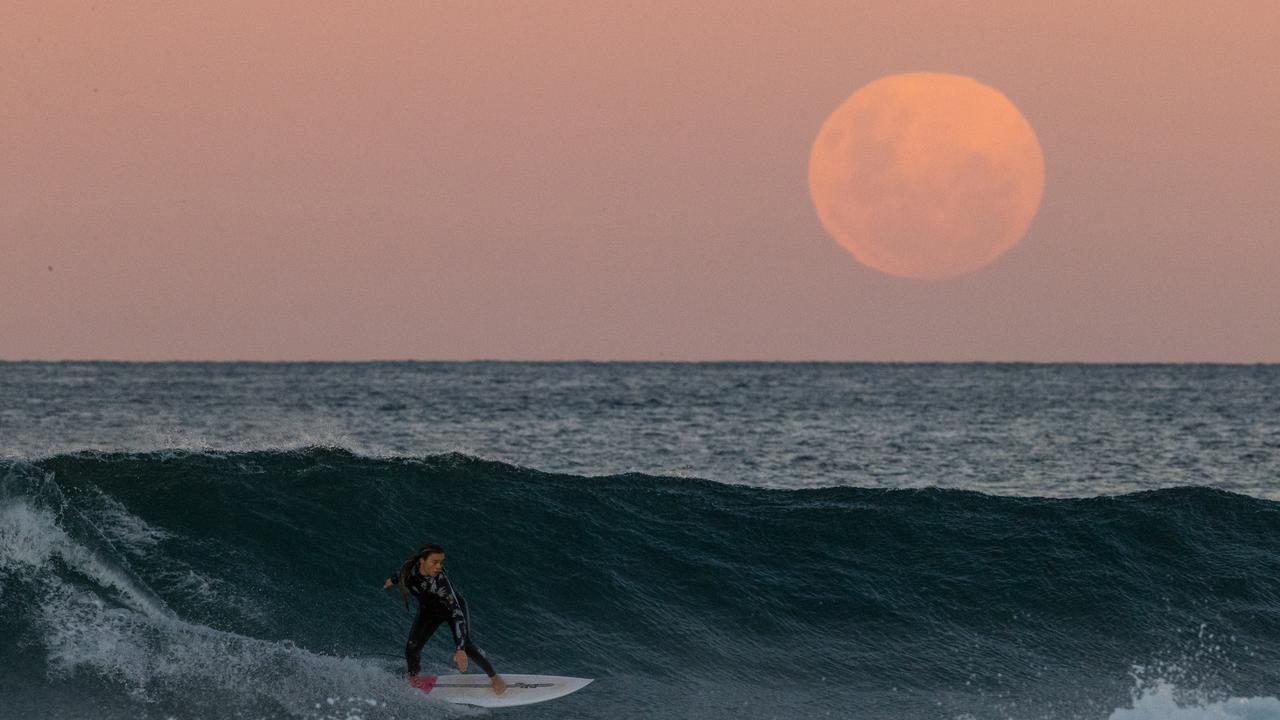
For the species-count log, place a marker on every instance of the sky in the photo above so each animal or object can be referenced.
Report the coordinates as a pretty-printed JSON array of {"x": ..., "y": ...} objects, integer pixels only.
[{"x": 614, "y": 181}]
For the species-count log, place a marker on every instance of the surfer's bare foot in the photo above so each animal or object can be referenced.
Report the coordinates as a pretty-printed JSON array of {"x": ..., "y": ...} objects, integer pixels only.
[{"x": 499, "y": 685}]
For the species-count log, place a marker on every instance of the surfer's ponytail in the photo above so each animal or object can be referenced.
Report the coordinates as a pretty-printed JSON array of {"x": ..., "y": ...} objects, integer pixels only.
[{"x": 423, "y": 552}]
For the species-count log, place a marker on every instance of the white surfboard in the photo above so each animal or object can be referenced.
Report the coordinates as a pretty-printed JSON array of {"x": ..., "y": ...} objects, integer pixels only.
[{"x": 477, "y": 690}]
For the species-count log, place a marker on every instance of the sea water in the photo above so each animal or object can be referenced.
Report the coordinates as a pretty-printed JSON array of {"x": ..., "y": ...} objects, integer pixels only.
[{"x": 706, "y": 540}]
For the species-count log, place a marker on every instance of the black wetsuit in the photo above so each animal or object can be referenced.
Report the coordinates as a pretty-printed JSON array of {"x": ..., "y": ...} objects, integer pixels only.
[{"x": 437, "y": 602}]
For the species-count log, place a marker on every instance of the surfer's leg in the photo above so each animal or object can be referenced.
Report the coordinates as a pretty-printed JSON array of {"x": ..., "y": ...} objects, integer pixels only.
[
  {"x": 473, "y": 651},
  {"x": 477, "y": 655},
  {"x": 424, "y": 624},
  {"x": 479, "y": 658}
]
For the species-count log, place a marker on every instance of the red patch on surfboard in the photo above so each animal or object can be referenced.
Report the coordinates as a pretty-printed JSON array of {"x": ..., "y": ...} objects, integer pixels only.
[{"x": 425, "y": 683}]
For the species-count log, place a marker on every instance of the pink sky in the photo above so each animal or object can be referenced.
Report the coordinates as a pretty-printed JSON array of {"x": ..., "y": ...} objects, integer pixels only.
[{"x": 613, "y": 181}]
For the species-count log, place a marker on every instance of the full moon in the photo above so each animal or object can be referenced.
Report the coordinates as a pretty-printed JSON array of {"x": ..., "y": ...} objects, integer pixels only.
[{"x": 926, "y": 175}]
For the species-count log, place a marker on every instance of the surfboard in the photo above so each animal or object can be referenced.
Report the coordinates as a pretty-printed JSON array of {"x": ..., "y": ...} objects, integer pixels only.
[{"x": 476, "y": 690}]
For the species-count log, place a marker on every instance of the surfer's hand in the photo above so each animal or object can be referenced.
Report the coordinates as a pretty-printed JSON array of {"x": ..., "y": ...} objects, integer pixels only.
[
  {"x": 460, "y": 659},
  {"x": 386, "y": 583}
]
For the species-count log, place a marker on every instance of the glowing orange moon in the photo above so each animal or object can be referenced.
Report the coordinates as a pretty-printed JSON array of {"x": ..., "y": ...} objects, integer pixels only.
[{"x": 926, "y": 175}]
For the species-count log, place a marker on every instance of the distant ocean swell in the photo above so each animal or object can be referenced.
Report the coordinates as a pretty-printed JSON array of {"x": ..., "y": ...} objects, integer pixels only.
[{"x": 202, "y": 584}]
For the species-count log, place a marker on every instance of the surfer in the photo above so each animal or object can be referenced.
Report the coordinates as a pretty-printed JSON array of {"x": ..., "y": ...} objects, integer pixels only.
[{"x": 423, "y": 576}]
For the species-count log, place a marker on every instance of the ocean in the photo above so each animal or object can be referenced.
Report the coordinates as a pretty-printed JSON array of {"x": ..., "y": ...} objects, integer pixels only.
[{"x": 720, "y": 541}]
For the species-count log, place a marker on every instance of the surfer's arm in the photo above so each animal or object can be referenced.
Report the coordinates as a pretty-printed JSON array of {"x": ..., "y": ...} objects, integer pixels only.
[
  {"x": 457, "y": 614},
  {"x": 393, "y": 580},
  {"x": 458, "y": 626}
]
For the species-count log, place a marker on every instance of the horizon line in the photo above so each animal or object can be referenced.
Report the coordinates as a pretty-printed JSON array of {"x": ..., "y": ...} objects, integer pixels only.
[{"x": 582, "y": 361}]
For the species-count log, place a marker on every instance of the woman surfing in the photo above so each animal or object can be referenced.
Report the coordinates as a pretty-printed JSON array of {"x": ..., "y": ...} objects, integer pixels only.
[{"x": 423, "y": 576}]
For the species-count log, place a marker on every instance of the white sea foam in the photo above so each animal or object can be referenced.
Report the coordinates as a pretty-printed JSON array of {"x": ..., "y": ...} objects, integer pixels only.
[
  {"x": 159, "y": 659},
  {"x": 83, "y": 632},
  {"x": 30, "y": 538},
  {"x": 127, "y": 531},
  {"x": 209, "y": 592},
  {"x": 118, "y": 631},
  {"x": 1161, "y": 702}
]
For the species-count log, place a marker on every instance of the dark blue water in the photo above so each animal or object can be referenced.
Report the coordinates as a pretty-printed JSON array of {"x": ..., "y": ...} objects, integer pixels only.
[{"x": 719, "y": 541}]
